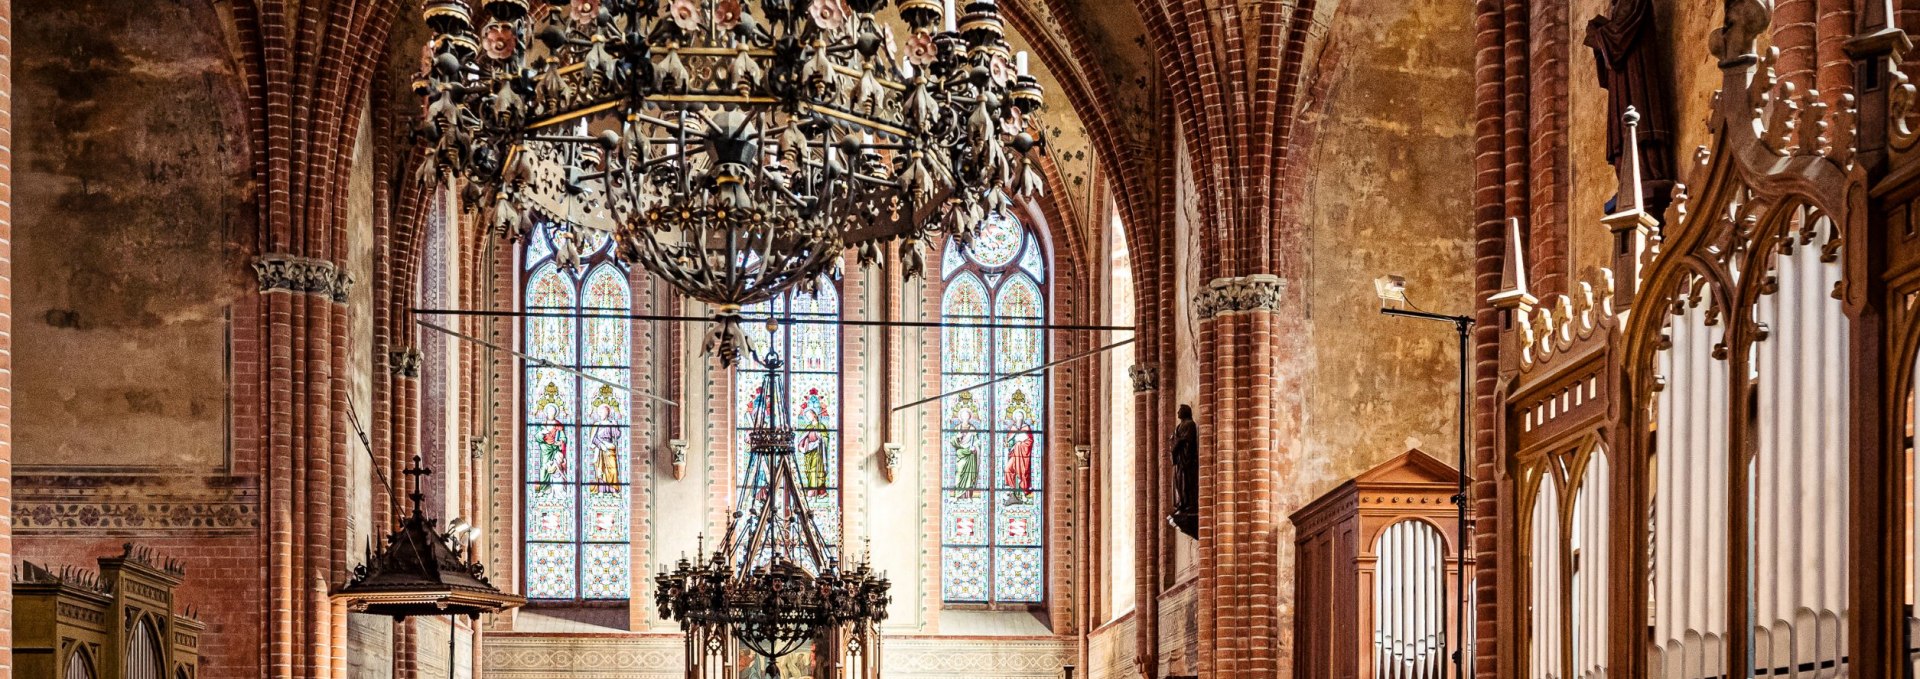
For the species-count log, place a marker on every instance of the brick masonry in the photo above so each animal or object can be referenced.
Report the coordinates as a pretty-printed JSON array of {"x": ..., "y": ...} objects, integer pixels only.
[{"x": 6, "y": 330}]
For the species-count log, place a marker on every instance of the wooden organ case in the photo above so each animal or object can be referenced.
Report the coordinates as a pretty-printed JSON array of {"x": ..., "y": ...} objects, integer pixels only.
[
  {"x": 1377, "y": 582},
  {"x": 121, "y": 622},
  {"x": 1703, "y": 448}
]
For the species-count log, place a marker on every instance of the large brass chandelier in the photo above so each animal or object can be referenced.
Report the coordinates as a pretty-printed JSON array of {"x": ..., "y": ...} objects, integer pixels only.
[
  {"x": 773, "y": 585},
  {"x": 733, "y": 148}
]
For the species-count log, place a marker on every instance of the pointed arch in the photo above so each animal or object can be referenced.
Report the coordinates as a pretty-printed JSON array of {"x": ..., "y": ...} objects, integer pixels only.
[
  {"x": 993, "y": 480},
  {"x": 577, "y": 488}
]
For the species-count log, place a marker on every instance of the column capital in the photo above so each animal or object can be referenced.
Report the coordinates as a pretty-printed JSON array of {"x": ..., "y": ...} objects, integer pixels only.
[
  {"x": 1240, "y": 294},
  {"x": 292, "y": 273},
  {"x": 1145, "y": 377},
  {"x": 404, "y": 361}
]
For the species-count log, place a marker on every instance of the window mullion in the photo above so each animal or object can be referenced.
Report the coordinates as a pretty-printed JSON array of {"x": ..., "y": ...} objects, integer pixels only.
[
  {"x": 579, "y": 435},
  {"x": 993, "y": 446}
]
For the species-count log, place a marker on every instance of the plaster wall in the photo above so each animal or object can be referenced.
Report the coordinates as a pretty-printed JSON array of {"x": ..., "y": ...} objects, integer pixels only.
[
  {"x": 133, "y": 214},
  {"x": 1117, "y": 482},
  {"x": 1112, "y": 651},
  {"x": 360, "y": 343},
  {"x": 1383, "y": 191},
  {"x": 369, "y": 647}
]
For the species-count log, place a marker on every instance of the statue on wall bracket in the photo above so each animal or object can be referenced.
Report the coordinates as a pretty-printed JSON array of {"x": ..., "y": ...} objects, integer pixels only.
[
  {"x": 1623, "y": 53},
  {"x": 1186, "y": 474}
]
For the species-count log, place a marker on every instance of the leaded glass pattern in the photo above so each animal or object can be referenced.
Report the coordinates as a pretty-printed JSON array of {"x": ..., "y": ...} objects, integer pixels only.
[
  {"x": 578, "y": 431},
  {"x": 993, "y": 497},
  {"x": 811, "y": 352}
]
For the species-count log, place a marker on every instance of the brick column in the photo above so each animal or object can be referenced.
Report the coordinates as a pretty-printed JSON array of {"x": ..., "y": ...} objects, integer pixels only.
[
  {"x": 305, "y": 331},
  {"x": 1489, "y": 215},
  {"x": 6, "y": 331},
  {"x": 1248, "y": 416},
  {"x": 305, "y": 91},
  {"x": 1148, "y": 517}
]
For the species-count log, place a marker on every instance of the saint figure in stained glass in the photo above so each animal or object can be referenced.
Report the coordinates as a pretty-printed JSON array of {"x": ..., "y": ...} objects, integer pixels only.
[
  {"x": 1019, "y": 471},
  {"x": 812, "y": 443},
  {"x": 606, "y": 441},
  {"x": 552, "y": 439},
  {"x": 965, "y": 419}
]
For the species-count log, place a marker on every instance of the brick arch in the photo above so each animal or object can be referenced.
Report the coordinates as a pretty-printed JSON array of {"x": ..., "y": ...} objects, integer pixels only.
[
  {"x": 1235, "y": 76},
  {"x": 306, "y": 91}
]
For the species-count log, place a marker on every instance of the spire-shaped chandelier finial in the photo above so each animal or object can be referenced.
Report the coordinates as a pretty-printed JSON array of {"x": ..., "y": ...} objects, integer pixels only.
[{"x": 773, "y": 584}]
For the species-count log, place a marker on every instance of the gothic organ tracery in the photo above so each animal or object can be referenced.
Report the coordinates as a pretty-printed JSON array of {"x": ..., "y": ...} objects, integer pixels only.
[{"x": 1683, "y": 426}]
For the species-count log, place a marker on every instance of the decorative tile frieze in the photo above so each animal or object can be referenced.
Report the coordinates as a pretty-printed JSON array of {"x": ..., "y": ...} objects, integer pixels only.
[
  {"x": 404, "y": 361},
  {"x": 70, "y": 504},
  {"x": 975, "y": 657},
  {"x": 288, "y": 273},
  {"x": 1145, "y": 377},
  {"x": 584, "y": 657},
  {"x": 655, "y": 656},
  {"x": 1258, "y": 292}
]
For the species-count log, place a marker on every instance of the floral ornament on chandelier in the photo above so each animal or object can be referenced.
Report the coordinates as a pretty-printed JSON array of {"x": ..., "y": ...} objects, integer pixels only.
[{"x": 733, "y": 148}]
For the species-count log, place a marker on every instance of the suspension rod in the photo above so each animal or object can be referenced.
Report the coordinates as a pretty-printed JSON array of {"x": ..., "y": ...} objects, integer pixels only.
[
  {"x": 781, "y": 320},
  {"x": 543, "y": 363},
  {"x": 1030, "y": 371}
]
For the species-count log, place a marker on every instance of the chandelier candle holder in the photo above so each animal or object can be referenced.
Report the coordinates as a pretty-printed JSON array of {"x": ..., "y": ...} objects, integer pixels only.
[
  {"x": 773, "y": 585},
  {"x": 733, "y": 148}
]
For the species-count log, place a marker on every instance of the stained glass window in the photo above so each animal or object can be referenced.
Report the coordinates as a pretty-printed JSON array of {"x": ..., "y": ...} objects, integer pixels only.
[
  {"x": 577, "y": 428},
  {"x": 811, "y": 353},
  {"x": 993, "y": 498}
]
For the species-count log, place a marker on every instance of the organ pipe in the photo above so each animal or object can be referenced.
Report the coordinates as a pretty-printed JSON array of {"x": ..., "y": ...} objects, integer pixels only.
[
  {"x": 1546, "y": 655},
  {"x": 1409, "y": 602},
  {"x": 1689, "y": 497},
  {"x": 1799, "y": 489},
  {"x": 1590, "y": 521}
]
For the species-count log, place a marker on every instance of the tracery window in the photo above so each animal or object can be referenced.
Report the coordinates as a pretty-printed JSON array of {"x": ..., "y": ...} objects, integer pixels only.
[
  {"x": 577, "y": 429},
  {"x": 993, "y": 499},
  {"x": 810, "y": 354}
]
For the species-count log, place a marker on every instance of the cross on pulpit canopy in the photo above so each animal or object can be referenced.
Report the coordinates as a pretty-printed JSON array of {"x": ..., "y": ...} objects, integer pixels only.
[{"x": 415, "y": 472}]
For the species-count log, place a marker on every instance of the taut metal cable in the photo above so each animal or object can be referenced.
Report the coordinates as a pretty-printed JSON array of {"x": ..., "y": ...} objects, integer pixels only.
[
  {"x": 1023, "y": 373},
  {"x": 783, "y": 321},
  {"x": 543, "y": 363}
]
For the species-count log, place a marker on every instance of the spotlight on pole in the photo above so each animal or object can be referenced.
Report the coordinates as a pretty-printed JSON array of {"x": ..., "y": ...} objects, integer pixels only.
[{"x": 1392, "y": 290}]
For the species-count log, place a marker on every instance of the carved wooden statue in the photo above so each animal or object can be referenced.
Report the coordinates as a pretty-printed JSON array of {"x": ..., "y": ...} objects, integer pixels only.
[
  {"x": 1623, "y": 52},
  {"x": 1186, "y": 474}
]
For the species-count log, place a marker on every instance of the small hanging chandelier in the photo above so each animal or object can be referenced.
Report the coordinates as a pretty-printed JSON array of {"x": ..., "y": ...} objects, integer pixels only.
[
  {"x": 773, "y": 584},
  {"x": 733, "y": 148},
  {"x": 422, "y": 571}
]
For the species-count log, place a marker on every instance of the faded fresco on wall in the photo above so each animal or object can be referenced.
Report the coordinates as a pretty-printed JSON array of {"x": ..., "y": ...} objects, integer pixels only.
[{"x": 131, "y": 180}]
